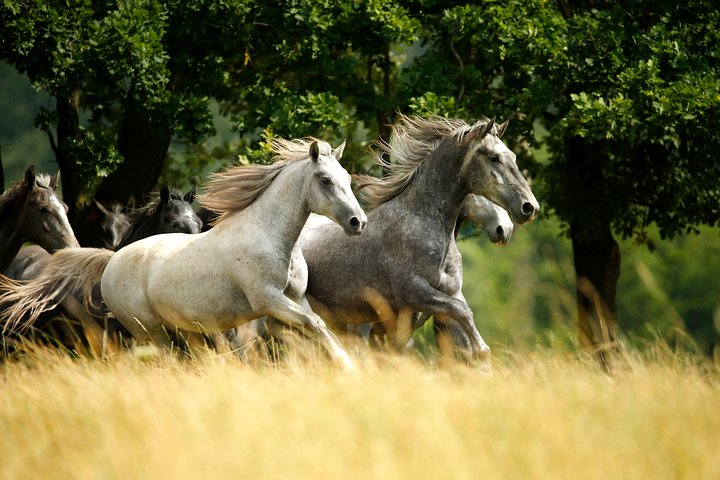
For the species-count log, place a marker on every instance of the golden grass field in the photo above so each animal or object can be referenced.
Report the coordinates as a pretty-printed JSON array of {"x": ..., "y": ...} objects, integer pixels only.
[{"x": 539, "y": 415}]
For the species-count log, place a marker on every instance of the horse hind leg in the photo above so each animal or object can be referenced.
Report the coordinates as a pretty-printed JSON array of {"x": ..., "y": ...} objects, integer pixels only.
[
  {"x": 147, "y": 332},
  {"x": 94, "y": 333}
]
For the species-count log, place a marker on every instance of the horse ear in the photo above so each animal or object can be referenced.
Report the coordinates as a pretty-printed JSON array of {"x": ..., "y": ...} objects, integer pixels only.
[
  {"x": 338, "y": 152},
  {"x": 502, "y": 127},
  {"x": 100, "y": 207},
  {"x": 165, "y": 194},
  {"x": 54, "y": 180},
  {"x": 314, "y": 151},
  {"x": 131, "y": 203},
  {"x": 30, "y": 177},
  {"x": 190, "y": 196},
  {"x": 487, "y": 128},
  {"x": 480, "y": 131}
]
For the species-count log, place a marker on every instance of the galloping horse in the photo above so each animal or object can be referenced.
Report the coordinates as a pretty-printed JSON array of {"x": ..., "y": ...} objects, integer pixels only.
[
  {"x": 247, "y": 266},
  {"x": 31, "y": 212},
  {"x": 397, "y": 267}
]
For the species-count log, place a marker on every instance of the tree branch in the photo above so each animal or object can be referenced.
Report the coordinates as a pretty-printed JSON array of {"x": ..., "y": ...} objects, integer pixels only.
[
  {"x": 53, "y": 145},
  {"x": 461, "y": 93}
]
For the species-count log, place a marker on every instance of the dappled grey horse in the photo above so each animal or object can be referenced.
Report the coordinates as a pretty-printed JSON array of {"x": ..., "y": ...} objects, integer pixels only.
[
  {"x": 397, "y": 267},
  {"x": 451, "y": 338},
  {"x": 30, "y": 211}
]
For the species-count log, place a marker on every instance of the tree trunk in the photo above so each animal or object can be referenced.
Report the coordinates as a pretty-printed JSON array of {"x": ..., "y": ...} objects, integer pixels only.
[
  {"x": 597, "y": 266},
  {"x": 143, "y": 145},
  {"x": 2, "y": 173},
  {"x": 143, "y": 142},
  {"x": 596, "y": 253},
  {"x": 68, "y": 128}
]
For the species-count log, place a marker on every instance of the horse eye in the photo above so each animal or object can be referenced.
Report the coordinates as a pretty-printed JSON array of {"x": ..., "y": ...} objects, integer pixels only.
[
  {"x": 494, "y": 157},
  {"x": 42, "y": 209},
  {"x": 326, "y": 180}
]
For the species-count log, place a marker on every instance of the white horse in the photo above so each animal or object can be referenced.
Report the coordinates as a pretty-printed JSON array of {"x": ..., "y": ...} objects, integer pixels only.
[{"x": 247, "y": 266}]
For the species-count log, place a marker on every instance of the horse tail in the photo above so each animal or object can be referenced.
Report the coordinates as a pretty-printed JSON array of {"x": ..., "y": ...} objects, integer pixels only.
[{"x": 69, "y": 271}]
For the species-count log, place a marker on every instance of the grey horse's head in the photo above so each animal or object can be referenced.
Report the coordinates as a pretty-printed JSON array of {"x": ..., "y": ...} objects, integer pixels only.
[
  {"x": 493, "y": 172},
  {"x": 492, "y": 218}
]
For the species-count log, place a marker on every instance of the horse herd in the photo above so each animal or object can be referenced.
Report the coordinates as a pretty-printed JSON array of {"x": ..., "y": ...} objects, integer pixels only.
[{"x": 285, "y": 242}]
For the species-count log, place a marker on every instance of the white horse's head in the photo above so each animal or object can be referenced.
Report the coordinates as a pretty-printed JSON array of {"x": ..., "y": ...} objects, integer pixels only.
[
  {"x": 493, "y": 172},
  {"x": 328, "y": 189},
  {"x": 490, "y": 217}
]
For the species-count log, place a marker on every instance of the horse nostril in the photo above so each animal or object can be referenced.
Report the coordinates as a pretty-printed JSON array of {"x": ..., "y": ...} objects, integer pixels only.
[
  {"x": 528, "y": 209},
  {"x": 355, "y": 223},
  {"x": 499, "y": 230}
]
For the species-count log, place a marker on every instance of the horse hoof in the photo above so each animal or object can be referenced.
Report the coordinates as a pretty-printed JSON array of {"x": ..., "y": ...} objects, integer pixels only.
[
  {"x": 146, "y": 353},
  {"x": 483, "y": 352},
  {"x": 482, "y": 358}
]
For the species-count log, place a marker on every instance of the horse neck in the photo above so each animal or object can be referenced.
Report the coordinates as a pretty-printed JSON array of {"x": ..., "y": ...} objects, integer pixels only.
[
  {"x": 143, "y": 227},
  {"x": 11, "y": 236},
  {"x": 458, "y": 225},
  {"x": 281, "y": 210},
  {"x": 439, "y": 188},
  {"x": 11, "y": 245}
]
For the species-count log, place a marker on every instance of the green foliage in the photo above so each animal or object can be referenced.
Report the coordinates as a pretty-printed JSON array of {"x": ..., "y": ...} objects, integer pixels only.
[
  {"x": 432, "y": 104},
  {"x": 523, "y": 294},
  {"x": 644, "y": 93},
  {"x": 284, "y": 113},
  {"x": 165, "y": 57},
  {"x": 640, "y": 86},
  {"x": 20, "y": 143},
  {"x": 667, "y": 294}
]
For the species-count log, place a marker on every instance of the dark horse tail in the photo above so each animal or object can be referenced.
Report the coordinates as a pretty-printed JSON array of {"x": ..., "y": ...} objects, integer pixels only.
[{"x": 69, "y": 272}]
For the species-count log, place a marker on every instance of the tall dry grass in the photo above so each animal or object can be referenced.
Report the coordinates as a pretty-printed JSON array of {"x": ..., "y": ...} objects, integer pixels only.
[{"x": 536, "y": 415}]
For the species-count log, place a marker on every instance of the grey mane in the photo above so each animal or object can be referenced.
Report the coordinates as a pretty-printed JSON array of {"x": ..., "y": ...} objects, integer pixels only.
[{"x": 412, "y": 140}]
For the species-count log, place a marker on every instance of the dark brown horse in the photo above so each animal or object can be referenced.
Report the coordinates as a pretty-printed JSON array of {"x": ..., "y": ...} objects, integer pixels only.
[{"x": 30, "y": 211}]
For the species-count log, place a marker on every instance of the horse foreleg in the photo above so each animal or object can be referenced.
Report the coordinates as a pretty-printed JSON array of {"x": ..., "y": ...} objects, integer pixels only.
[
  {"x": 422, "y": 297},
  {"x": 300, "y": 315},
  {"x": 452, "y": 341}
]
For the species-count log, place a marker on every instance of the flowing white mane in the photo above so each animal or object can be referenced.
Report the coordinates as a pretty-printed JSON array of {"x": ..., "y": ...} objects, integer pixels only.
[{"x": 236, "y": 187}]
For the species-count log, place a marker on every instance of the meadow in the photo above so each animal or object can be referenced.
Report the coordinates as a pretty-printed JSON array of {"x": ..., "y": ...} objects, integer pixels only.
[{"x": 529, "y": 415}]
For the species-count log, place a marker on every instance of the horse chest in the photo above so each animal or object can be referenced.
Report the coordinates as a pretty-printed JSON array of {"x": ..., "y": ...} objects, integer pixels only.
[
  {"x": 297, "y": 278},
  {"x": 451, "y": 271}
]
